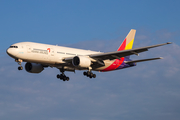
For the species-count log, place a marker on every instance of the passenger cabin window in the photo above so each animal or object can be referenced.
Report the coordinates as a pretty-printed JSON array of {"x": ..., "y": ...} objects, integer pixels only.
[{"x": 13, "y": 47}]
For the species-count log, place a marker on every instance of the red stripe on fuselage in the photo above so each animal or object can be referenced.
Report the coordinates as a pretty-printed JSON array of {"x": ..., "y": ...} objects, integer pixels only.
[{"x": 114, "y": 65}]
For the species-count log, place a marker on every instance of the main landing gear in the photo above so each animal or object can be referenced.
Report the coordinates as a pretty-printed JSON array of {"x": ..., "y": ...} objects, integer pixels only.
[
  {"x": 89, "y": 74},
  {"x": 62, "y": 76},
  {"x": 19, "y": 62}
]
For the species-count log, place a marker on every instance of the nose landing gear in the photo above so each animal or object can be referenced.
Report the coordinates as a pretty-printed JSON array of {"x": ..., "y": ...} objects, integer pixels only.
[{"x": 19, "y": 62}]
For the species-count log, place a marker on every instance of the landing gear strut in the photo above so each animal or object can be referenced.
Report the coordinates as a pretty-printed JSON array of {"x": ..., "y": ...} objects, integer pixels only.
[
  {"x": 89, "y": 74},
  {"x": 62, "y": 76},
  {"x": 19, "y": 62}
]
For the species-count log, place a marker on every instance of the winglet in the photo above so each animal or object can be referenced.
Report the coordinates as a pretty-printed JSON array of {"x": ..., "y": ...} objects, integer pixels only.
[
  {"x": 169, "y": 42},
  {"x": 128, "y": 41}
]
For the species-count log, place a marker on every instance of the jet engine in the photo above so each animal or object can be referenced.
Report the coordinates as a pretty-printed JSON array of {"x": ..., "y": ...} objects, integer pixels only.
[
  {"x": 33, "y": 67},
  {"x": 81, "y": 61}
]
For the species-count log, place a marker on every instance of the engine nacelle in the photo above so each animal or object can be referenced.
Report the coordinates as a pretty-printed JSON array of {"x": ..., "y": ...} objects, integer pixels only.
[
  {"x": 81, "y": 61},
  {"x": 33, "y": 67}
]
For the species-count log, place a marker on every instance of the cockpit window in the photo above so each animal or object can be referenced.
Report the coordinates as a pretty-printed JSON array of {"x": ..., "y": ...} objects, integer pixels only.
[{"x": 13, "y": 47}]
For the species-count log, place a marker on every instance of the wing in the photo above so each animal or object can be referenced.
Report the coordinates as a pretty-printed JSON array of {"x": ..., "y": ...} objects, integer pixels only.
[{"x": 119, "y": 54}]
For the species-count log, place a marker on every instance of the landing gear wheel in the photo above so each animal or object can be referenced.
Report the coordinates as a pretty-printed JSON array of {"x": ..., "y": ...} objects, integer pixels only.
[
  {"x": 94, "y": 76},
  {"x": 20, "y": 68},
  {"x": 62, "y": 77},
  {"x": 89, "y": 74},
  {"x": 65, "y": 78},
  {"x": 58, "y": 76},
  {"x": 85, "y": 73}
]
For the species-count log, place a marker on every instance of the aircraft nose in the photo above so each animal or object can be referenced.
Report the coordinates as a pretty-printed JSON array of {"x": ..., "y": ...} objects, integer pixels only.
[
  {"x": 11, "y": 52},
  {"x": 8, "y": 51}
]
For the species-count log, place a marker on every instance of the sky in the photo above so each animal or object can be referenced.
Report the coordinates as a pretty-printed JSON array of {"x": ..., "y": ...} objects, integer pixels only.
[{"x": 151, "y": 90}]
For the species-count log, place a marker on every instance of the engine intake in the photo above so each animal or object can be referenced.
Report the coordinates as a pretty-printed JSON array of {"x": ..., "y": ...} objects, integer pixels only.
[
  {"x": 81, "y": 61},
  {"x": 33, "y": 67}
]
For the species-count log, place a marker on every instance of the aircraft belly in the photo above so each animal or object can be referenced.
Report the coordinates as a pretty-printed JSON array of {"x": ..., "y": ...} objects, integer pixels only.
[
  {"x": 114, "y": 65},
  {"x": 108, "y": 63}
]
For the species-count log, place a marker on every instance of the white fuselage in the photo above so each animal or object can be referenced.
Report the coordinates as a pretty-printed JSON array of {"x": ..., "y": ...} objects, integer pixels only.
[
  {"x": 44, "y": 53},
  {"x": 51, "y": 55}
]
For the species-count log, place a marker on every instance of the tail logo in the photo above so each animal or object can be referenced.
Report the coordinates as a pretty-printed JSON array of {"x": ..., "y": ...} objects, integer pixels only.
[{"x": 128, "y": 41}]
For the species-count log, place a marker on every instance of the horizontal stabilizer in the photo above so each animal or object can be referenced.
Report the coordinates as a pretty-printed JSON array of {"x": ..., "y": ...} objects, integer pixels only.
[{"x": 135, "y": 61}]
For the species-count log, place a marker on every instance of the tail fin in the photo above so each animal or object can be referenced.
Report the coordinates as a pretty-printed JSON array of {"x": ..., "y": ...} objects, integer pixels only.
[{"x": 128, "y": 41}]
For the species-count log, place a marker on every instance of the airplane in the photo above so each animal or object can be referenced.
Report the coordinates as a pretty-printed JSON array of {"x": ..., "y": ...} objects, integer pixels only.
[{"x": 39, "y": 56}]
